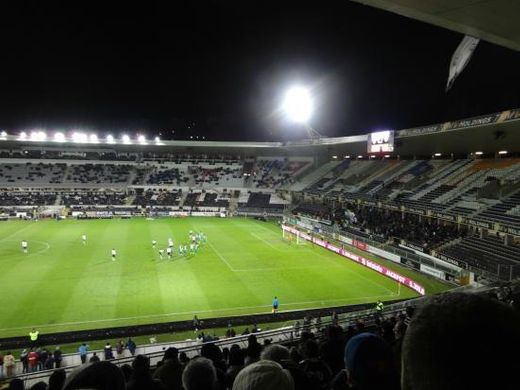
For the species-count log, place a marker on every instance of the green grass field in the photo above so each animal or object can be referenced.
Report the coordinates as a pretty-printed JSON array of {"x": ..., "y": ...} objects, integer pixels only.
[{"x": 63, "y": 285}]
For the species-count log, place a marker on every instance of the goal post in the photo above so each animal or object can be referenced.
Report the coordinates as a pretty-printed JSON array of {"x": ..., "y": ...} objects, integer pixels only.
[{"x": 290, "y": 237}]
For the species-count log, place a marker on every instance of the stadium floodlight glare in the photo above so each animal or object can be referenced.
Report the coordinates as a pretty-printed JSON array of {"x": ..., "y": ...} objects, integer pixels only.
[
  {"x": 438, "y": 154},
  {"x": 386, "y": 156},
  {"x": 38, "y": 135},
  {"x": 3, "y": 134},
  {"x": 157, "y": 139},
  {"x": 334, "y": 157},
  {"x": 141, "y": 139},
  {"x": 22, "y": 136},
  {"x": 479, "y": 153},
  {"x": 110, "y": 139},
  {"x": 126, "y": 139},
  {"x": 79, "y": 137},
  {"x": 59, "y": 137},
  {"x": 93, "y": 138},
  {"x": 360, "y": 156},
  {"x": 502, "y": 152},
  {"x": 347, "y": 156},
  {"x": 298, "y": 104}
]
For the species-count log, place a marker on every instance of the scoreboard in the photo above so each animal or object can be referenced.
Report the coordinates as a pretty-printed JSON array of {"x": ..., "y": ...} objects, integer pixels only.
[{"x": 381, "y": 142}]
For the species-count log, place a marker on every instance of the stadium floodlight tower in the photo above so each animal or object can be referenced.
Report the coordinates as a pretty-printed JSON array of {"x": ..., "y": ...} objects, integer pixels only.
[{"x": 298, "y": 107}]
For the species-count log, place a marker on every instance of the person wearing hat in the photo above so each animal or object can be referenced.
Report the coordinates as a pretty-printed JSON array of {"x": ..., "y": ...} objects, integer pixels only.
[
  {"x": 263, "y": 375},
  {"x": 368, "y": 365}
]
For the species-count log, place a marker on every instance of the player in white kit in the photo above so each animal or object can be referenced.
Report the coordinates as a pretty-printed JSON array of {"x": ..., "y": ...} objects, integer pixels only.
[{"x": 114, "y": 254}]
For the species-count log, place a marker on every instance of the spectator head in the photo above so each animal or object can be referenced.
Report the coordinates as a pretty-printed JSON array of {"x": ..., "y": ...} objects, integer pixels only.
[
  {"x": 39, "y": 386},
  {"x": 141, "y": 365},
  {"x": 263, "y": 375},
  {"x": 171, "y": 353},
  {"x": 310, "y": 349},
  {"x": 212, "y": 352},
  {"x": 199, "y": 374},
  {"x": 368, "y": 360},
  {"x": 236, "y": 356},
  {"x": 57, "y": 379},
  {"x": 461, "y": 340},
  {"x": 99, "y": 376},
  {"x": 127, "y": 371},
  {"x": 16, "y": 384},
  {"x": 276, "y": 353}
]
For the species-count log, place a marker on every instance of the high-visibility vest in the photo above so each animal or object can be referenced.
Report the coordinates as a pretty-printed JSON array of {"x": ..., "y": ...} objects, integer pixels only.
[{"x": 34, "y": 335}]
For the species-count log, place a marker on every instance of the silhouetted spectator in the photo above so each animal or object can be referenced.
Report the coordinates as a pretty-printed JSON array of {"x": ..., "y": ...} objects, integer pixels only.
[
  {"x": 318, "y": 372},
  {"x": 170, "y": 372},
  {"x": 57, "y": 380},
  {"x": 461, "y": 341},
  {"x": 141, "y": 378},
  {"x": 94, "y": 358},
  {"x": 199, "y": 374},
  {"x": 262, "y": 375},
  {"x": 16, "y": 384},
  {"x": 127, "y": 371},
  {"x": 100, "y": 376}
]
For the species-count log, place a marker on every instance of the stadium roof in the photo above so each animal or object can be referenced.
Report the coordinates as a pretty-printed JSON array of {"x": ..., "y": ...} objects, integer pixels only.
[
  {"x": 488, "y": 133},
  {"x": 494, "y": 21}
]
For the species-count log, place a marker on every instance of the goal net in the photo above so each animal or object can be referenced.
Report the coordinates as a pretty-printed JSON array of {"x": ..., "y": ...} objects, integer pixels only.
[{"x": 292, "y": 238}]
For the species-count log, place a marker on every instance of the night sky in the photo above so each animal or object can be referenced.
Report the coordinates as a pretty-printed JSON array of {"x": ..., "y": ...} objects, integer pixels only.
[{"x": 219, "y": 69}]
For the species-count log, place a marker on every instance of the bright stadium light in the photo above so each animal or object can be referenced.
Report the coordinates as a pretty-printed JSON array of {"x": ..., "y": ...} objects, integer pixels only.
[
  {"x": 141, "y": 139},
  {"x": 502, "y": 152},
  {"x": 126, "y": 139},
  {"x": 93, "y": 138},
  {"x": 298, "y": 104},
  {"x": 79, "y": 137},
  {"x": 347, "y": 156},
  {"x": 3, "y": 134},
  {"x": 479, "y": 153},
  {"x": 438, "y": 154},
  {"x": 38, "y": 135},
  {"x": 59, "y": 137},
  {"x": 110, "y": 139},
  {"x": 157, "y": 139},
  {"x": 22, "y": 136}
]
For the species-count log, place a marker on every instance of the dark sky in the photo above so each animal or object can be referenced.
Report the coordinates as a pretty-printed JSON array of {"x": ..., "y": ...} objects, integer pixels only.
[{"x": 221, "y": 67}]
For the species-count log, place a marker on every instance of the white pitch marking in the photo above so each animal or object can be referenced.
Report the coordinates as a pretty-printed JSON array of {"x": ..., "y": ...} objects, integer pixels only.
[
  {"x": 221, "y": 257},
  {"x": 195, "y": 312}
]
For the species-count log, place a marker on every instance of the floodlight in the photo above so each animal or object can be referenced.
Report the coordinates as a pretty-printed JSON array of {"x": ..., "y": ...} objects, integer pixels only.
[
  {"x": 126, "y": 139},
  {"x": 298, "y": 104},
  {"x": 79, "y": 137},
  {"x": 503, "y": 152},
  {"x": 110, "y": 139},
  {"x": 157, "y": 139},
  {"x": 38, "y": 135},
  {"x": 141, "y": 139},
  {"x": 479, "y": 153},
  {"x": 438, "y": 154},
  {"x": 59, "y": 137},
  {"x": 347, "y": 156},
  {"x": 360, "y": 156},
  {"x": 94, "y": 138},
  {"x": 334, "y": 157},
  {"x": 23, "y": 135}
]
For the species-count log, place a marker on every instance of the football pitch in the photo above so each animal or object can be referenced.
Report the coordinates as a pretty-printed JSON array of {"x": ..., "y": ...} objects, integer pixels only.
[{"x": 62, "y": 284}]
